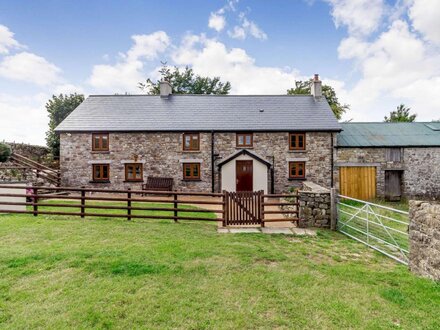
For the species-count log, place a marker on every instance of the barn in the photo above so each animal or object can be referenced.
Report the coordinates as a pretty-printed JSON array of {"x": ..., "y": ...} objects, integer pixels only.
[{"x": 388, "y": 160}]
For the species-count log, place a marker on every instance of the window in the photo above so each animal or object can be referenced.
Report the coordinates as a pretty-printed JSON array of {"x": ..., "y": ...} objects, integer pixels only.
[
  {"x": 101, "y": 172},
  {"x": 191, "y": 171},
  {"x": 134, "y": 172},
  {"x": 100, "y": 142},
  {"x": 393, "y": 154},
  {"x": 297, "y": 141},
  {"x": 191, "y": 142},
  {"x": 244, "y": 140},
  {"x": 297, "y": 170}
]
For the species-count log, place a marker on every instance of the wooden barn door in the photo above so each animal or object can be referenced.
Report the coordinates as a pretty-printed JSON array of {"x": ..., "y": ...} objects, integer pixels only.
[
  {"x": 358, "y": 182},
  {"x": 393, "y": 183}
]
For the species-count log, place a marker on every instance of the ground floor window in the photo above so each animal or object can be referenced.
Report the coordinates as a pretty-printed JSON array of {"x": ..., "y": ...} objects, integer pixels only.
[
  {"x": 133, "y": 172},
  {"x": 297, "y": 170},
  {"x": 191, "y": 171},
  {"x": 101, "y": 172}
]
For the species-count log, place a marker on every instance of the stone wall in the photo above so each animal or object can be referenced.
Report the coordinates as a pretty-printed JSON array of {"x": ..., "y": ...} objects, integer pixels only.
[
  {"x": 34, "y": 152},
  {"x": 424, "y": 239},
  {"x": 315, "y": 206},
  {"x": 162, "y": 155},
  {"x": 421, "y": 178},
  {"x": 421, "y": 170}
]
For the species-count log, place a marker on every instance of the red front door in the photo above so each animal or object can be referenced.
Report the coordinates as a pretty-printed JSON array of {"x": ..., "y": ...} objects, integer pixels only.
[{"x": 244, "y": 172}]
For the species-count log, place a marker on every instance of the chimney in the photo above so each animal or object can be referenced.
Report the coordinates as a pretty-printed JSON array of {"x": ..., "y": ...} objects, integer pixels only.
[
  {"x": 316, "y": 87},
  {"x": 165, "y": 89}
]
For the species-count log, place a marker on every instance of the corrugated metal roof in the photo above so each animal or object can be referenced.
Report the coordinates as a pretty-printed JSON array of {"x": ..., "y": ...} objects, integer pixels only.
[
  {"x": 201, "y": 112},
  {"x": 389, "y": 135}
]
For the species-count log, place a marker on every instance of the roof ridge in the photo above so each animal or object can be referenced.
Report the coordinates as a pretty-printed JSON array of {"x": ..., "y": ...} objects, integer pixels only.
[{"x": 201, "y": 95}]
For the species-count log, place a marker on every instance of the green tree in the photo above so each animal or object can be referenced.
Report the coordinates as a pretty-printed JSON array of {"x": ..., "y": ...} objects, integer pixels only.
[
  {"x": 303, "y": 87},
  {"x": 185, "y": 82},
  {"x": 401, "y": 114},
  {"x": 59, "y": 107},
  {"x": 5, "y": 152}
]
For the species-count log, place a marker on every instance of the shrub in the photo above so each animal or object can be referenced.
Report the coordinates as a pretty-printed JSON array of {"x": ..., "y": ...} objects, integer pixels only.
[{"x": 5, "y": 152}]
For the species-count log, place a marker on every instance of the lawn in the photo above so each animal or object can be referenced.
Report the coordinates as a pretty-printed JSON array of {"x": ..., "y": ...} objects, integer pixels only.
[{"x": 64, "y": 272}]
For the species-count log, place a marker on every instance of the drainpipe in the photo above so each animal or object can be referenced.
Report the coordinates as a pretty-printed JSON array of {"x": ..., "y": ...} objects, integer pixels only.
[
  {"x": 212, "y": 162},
  {"x": 332, "y": 160},
  {"x": 272, "y": 176}
]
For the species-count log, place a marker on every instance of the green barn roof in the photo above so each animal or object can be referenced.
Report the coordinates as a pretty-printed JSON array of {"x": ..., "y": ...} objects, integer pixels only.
[{"x": 389, "y": 135}]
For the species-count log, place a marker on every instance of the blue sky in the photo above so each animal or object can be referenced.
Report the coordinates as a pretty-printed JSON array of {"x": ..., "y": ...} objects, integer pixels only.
[{"x": 375, "y": 53}]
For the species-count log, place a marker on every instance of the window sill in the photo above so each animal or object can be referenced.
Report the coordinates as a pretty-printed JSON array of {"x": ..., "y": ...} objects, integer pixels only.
[
  {"x": 244, "y": 147},
  {"x": 297, "y": 179},
  {"x": 191, "y": 151},
  {"x": 99, "y": 181},
  {"x": 297, "y": 150},
  {"x": 133, "y": 181},
  {"x": 100, "y": 152},
  {"x": 191, "y": 180}
]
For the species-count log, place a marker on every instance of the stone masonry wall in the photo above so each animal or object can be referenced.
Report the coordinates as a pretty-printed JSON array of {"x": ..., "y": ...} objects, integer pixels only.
[
  {"x": 162, "y": 155},
  {"x": 274, "y": 147},
  {"x": 424, "y": 239},
  {"x": 314, "y": 206},
  {"x": 421, "y": 178},
  {"x": 421, "y": 170}
]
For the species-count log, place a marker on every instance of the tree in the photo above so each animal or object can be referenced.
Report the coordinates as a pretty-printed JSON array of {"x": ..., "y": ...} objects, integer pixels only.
[
  {"x": 401, "y": 114},
  {"x": 303, "y": 87},
  {"x": 5, "y": 152},
  {"x": 185, "y": 82},
  {"x": 59, "y": 107}
]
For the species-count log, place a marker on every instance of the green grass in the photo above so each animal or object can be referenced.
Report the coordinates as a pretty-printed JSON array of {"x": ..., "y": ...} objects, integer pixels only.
[{"x": 64, "y": 272}]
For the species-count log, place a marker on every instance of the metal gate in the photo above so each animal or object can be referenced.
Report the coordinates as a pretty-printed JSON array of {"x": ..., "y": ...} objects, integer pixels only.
[
  {"x": 382, "y": 228},
  {"x": 243, "y": 208}
]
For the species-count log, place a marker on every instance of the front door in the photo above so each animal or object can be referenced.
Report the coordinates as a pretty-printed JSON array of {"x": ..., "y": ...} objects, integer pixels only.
[{"x": 244, "y": 172}]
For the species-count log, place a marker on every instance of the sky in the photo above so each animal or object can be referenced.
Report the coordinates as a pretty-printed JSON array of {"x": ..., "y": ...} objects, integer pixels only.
[{"x": 377, "y": 54}]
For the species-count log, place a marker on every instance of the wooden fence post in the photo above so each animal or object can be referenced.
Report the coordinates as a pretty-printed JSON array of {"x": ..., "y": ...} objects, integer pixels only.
[
  {"x": 175, "y": 208},
  {"x": 333, "y": 209},
  {"x": 225, "y": 207},
  {"x": 83, "y": 201},
  {"x": 129, "y": 204},
  {"x": 261, "y": 196},
  {"x": 35, "y": 201}
]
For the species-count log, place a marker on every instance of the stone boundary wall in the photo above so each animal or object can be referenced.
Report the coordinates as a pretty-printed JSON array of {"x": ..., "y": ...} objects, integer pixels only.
[
  {"x": 314, "y": 206},
  {"x": 424, "y": 239}
]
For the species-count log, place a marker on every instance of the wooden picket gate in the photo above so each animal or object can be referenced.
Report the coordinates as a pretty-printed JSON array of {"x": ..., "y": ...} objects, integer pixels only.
[{"x": 243, "y": 208}]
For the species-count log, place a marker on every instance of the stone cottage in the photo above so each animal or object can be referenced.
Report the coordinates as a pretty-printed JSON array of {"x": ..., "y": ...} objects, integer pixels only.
[
  {"x": 388, "y": 160},
  {"x": 203, "y": 142}
]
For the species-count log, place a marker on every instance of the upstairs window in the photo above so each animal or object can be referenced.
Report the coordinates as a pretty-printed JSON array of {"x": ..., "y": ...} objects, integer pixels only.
[
  {"x": 101, "y": 172},
  {"x": 297, "y": 141},
  {"x": 297, "y": 170},
  {"x": 245, "y": 140},
  {"x": 191, "y": 142},
  {"x": 393, "y": 155},
  {"x": 134, "y": 172},
  {"x": 191, "y": 171},
  {"x": 100, "y": 142}
]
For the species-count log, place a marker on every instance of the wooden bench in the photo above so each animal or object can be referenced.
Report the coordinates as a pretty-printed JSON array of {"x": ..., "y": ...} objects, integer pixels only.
[{"x": 158, "y": 184}]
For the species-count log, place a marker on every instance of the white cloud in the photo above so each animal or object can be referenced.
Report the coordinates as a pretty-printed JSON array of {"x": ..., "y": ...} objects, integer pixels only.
[
  {"x": 7, "y": 40},
  {"x": 212, "y": 58},
  {"x": 31, "y": 68},
  {"x": 247, "y": 27},
  {"x": 361, "y": 17},
  {"x": 425, "y": 15},
  {"x": 125, "y": 75},
  {"x": 23, "y": 111},
  {"x": 217, "y": 22}
]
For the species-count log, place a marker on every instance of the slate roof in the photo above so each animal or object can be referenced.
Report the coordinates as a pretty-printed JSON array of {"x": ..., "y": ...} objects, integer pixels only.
[
  {"x": 201, "y": 113},
  {"x": 389, "y": 135}
]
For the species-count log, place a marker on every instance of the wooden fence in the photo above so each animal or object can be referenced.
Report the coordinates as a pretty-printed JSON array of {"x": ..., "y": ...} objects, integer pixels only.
[{"x": 123, "y": 200}]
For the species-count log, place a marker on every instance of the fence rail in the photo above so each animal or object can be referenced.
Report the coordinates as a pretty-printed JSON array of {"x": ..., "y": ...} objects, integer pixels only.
[
  {"x": 382, "y": 228},
  {"x": 80, "y": 199}
]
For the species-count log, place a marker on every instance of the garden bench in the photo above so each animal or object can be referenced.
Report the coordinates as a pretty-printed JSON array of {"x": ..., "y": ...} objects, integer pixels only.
[{"x": 158, "y": 184}]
